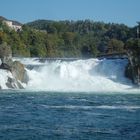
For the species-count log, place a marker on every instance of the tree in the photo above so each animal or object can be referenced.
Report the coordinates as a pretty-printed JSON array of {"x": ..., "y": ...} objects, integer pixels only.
[
  {"x": 38, "y": 51},
  {"x": 115, "y": 45},
  {"x": 5, "y": 50},
  {"x": 5, "y": 55},
  {"x": 69, "y": 37},
  {"x": 132, "y": 44}
]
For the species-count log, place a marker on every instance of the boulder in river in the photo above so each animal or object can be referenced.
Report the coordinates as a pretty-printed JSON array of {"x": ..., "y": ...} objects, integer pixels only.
[{"x": 17, "y": 69}]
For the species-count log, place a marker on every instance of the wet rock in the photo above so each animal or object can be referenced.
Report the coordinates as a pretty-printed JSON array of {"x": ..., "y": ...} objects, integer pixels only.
[
  {"x": 11, "y": 83},
  {"x": 132, "y": 46},
  {"x": 5, "y": 66},
  {"x": 16, "y": 68},
  {"x": 19, "y": 72}
]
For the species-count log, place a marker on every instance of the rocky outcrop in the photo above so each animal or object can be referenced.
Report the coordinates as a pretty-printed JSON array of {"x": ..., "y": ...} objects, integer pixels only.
[
  {"x": 5, "y": 66},
  {"x": 133, "y": 68},
  {"x": 19, "y": 74},
  {"x": 13, "y": 83}
]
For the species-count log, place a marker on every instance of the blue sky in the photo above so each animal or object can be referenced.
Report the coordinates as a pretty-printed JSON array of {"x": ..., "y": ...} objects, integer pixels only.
[{"x": 117, "y": 11}]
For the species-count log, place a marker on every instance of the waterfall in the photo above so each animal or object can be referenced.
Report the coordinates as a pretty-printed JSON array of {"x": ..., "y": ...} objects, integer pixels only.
[{"x": 79, "y": 75}]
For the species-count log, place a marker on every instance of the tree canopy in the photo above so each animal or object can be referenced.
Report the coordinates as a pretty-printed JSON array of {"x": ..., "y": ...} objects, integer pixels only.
[{"x": 83, "y": 38}]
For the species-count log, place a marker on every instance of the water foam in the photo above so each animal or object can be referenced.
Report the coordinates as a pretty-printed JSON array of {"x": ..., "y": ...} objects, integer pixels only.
[
  {"x": 109, "y": 107},
  {"x": 80, "y": 75},
  {"x": 74, "y": 76},
  {"x": 4, "y": 74}
]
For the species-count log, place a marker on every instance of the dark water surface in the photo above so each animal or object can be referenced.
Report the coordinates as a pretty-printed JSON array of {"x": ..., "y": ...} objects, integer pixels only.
[{"x": 69, "y": 116}]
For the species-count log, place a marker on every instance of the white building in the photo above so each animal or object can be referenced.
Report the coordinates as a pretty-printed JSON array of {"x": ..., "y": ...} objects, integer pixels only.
[{"x": 13, "y": 25}]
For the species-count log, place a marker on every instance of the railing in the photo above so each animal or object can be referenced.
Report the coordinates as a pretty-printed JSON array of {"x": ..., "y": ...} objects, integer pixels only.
[{"x": 117, "y": 55}]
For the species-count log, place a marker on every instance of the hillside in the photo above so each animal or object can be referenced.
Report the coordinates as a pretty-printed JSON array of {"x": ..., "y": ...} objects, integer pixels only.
[
  {"x": 92, "y": 37},
  {"x": 46, "y": 38}
]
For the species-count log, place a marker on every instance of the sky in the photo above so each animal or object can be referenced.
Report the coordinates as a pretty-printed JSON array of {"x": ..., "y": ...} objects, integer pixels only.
[{"x": 108, "y": 11}]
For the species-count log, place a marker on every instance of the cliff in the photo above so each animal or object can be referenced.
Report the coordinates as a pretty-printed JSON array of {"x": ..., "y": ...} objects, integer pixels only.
[{"x": 133, "y": 68}]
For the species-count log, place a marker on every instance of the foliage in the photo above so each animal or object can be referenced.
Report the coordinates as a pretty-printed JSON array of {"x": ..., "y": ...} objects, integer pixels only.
[
  {"x": 83, "y": 38},
  {"x": 116, "y": 45},
  {"x": 5, "y": 50},
  {"x": 132, "y": 43}
]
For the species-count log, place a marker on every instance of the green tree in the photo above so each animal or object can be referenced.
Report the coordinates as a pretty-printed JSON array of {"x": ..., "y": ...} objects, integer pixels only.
[
  {"x": 132, "y": 44},
  {"x": 115, "y": 45}
]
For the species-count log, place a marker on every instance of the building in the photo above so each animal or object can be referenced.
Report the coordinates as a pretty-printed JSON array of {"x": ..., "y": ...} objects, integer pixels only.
[{"x": 13, "y": 25}]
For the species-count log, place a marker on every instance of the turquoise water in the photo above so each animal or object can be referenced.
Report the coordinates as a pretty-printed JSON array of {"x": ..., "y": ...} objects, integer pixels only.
[{"x": 69, "y": 116}]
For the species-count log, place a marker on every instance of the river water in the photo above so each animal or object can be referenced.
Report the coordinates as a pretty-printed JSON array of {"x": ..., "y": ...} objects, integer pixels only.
[
  {"x": 71, "y": 100},
  {"x": 69, "y": 116}
]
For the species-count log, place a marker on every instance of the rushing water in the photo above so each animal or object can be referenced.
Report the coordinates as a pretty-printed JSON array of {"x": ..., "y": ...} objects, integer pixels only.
[
  {"x": 69, "y": 116},
  {"x": 74, "y": 76},
  {"x": 71, "y": 100},
  {"x": 79, "y": 75}
]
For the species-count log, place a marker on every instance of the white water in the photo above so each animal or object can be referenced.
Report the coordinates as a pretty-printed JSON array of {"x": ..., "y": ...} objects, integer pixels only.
[
  {"x": 112, "y": 107},
  {"x": 81, "y": 75},
  {"x": 4, "y": 74}
]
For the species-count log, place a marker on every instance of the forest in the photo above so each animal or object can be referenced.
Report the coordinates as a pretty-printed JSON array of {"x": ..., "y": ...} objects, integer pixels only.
[{"x": 82, "y": 38}]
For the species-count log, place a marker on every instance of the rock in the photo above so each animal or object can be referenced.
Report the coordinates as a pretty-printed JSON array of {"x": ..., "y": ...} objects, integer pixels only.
[
  {"x": 5, "y": 66},
  {"x": 133, "y": 68},
  {"x": 19, "y": 72},
  {"x": 16, "y": 68},
  {"x": 19, "y": 75},
  {"x": 128, "y": 72},
  {"x": 19, "y": 85},
  {"x": 13, "y": 83}
]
